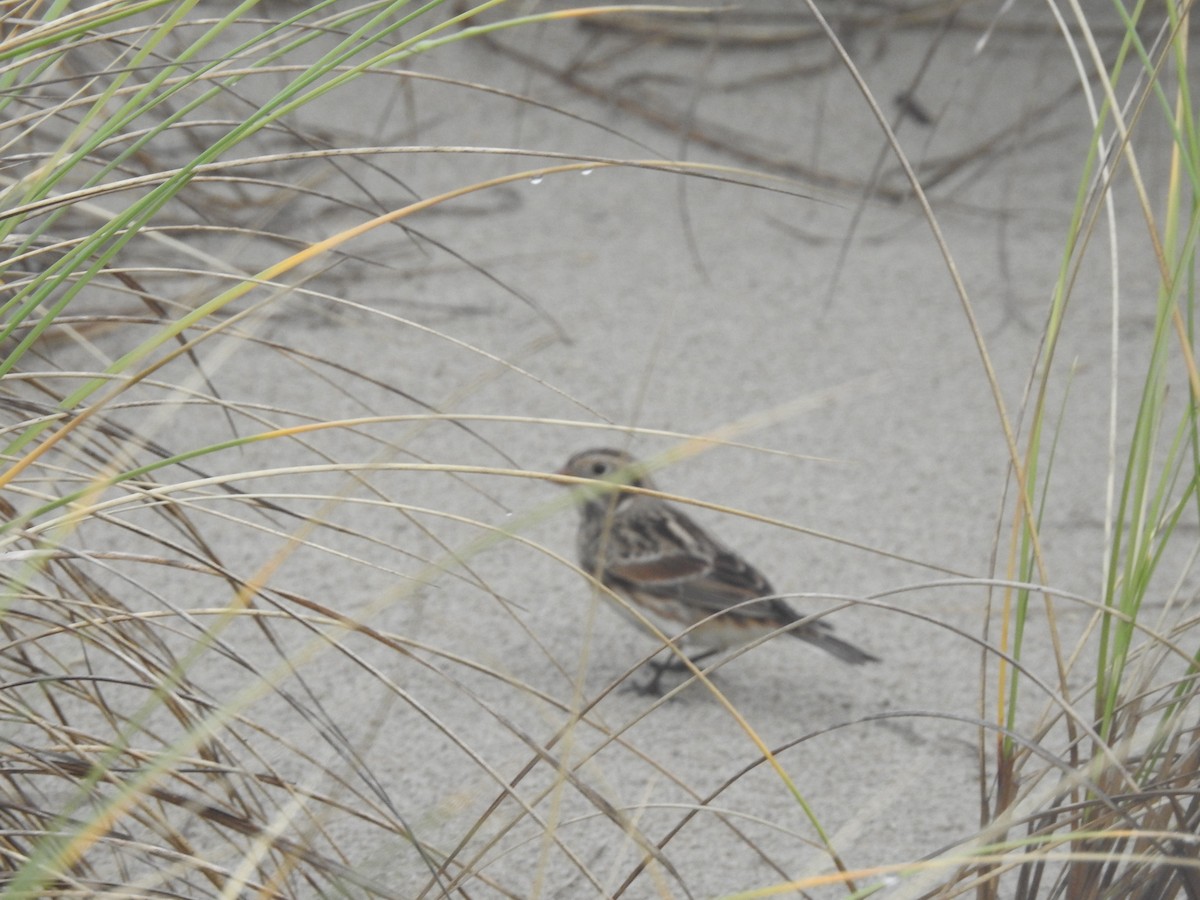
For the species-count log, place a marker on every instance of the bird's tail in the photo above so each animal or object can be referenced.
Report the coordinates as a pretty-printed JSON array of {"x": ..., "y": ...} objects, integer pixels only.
[{"x": 820, "y": 634}]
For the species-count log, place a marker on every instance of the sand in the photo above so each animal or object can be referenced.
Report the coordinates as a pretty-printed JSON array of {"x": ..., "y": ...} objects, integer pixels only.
[{"x": 809, "y": 321}]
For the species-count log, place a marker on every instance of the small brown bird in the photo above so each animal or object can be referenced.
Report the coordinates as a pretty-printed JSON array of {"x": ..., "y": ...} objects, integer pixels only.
[{"x": 676, "y": 574}]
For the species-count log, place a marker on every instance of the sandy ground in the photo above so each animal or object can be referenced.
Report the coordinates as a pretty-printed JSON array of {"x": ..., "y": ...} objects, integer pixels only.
[{"x": 823, "y": 319}]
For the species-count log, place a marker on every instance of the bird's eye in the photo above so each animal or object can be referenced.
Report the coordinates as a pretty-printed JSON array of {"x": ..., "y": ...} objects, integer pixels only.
[{"x": 599, "y": 468}]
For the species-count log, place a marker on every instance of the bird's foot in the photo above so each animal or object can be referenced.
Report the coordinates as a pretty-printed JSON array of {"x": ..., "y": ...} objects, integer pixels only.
[{"x": 653, "y": 687}]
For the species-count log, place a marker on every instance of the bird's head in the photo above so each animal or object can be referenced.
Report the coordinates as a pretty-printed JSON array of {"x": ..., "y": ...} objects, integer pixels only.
[{"x": 606, "y": 464}]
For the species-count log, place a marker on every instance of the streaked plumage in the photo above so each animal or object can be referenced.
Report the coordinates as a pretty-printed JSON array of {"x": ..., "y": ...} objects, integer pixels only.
[{"x": 654, "y": 555}]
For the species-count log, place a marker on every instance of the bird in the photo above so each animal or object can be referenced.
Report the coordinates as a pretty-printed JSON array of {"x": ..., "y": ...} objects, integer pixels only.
[{"x": 659, "y": 560}]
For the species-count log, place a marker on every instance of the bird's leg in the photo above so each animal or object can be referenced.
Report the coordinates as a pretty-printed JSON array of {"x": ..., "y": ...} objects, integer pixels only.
[{"x": 673, "y": 663}]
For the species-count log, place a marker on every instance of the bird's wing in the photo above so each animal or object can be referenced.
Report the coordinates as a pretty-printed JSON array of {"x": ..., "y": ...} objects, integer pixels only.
[{"x": 684, "y": 562}]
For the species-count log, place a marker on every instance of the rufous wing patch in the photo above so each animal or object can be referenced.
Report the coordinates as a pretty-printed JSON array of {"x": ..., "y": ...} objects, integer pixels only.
[{"x": 659, "y": 570}]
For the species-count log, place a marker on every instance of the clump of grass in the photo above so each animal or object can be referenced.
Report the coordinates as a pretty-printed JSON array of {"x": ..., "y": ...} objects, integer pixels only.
[
  {"x": 142, "y": 158},
  {"x": 165, "y": 727},
  {"x": 1112, "y": 812},
  {"x": 168, "y": 726}
]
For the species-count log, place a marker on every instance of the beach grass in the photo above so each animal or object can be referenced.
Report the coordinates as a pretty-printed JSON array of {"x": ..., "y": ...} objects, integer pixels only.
[{"x": 173, "y": 696}]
